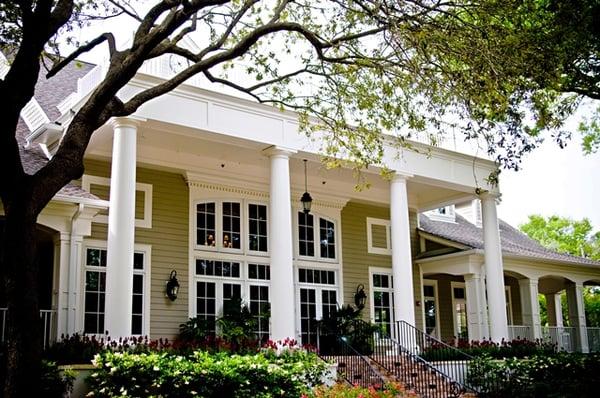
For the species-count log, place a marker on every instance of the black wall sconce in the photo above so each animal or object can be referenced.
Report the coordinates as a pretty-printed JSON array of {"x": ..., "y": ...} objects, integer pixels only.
[
  {"x": 360, "y": 297},
  {"x": 172, "y": 286}
]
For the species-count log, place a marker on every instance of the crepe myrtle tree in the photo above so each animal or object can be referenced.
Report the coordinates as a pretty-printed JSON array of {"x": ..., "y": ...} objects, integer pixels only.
[{"x": 352, "y": 69}]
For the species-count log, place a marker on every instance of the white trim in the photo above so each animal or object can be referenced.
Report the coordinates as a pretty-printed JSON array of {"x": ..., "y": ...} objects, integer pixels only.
[
  {"x": 454, "y": 300},
  {"x": 138, "y": 247},
  {"x": 372, "y": 289},
  {"x": 378, "y": 250},
  {"x": 509, "y": 308},
  {"x": 449, "y": 214},
  {"x": 317, "y": 238},
  {"x": 434, "y": 284},
  {"x": 146, "y": 222}
]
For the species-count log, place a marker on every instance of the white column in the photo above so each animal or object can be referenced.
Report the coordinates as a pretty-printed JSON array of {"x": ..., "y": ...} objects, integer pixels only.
[
  {"x": 577, "y": 314},
  {"x": 554, "y": 308},
  {"x": 121, "y": 229},
  {"x": 474, "y": 308},
  {"x": 493, "y": 269},
  {"x": 485, "y": 327},
  {"x": 62, "y": 246},
  {"x": 404, "y": 307},
  {"x": 530, "y": 306},
  {"x": 280, "y": 246}
]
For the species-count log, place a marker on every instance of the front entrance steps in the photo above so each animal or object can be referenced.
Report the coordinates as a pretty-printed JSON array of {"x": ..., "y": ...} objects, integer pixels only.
[{"x": 415, "y": 377}]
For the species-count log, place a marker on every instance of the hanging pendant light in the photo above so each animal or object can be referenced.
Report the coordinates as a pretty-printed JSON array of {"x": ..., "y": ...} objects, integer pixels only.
[{"x": 306, "y": 199}]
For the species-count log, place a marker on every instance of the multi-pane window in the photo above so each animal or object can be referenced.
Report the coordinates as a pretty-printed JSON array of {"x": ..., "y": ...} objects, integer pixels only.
[
  {"x": 232, "y": 298},
  {"x": 257, "y": 227},
  {"x": 383, "y": 301},
  {"x": 260, "y": 308},
  {"x": 322, "y": 233},
  {"x": 430, "y": 308},
  {"x": 317, "y": 301},
  {"x": 308, "y": 316},
  {"x": 206, "y": 304},
  {"x": 219, "y": 225},
  {"x": 217, "y": 268},
  {"x": 95, "y": 288},
  {"x": 95, "y": 292},
  {"x": 137, "y": 304},
  {"x": 306, "y": 234},
  {"x": 327, "y": 238},
  {"x": 205, "y": 224},
  {"x": 231, "y": 225},
  {"x": 306, "y": 275},
  {"x": 259, "y": 271}
]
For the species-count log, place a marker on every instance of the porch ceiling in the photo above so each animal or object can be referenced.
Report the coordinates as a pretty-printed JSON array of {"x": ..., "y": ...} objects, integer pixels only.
[{"x": 183, "y": 149}]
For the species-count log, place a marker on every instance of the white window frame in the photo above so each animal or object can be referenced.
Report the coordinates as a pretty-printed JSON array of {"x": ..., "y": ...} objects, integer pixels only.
[
  {"x": 509, "y": 308},
  {"x": 449, "y": 216},
  {"x": 434, "y": 283},
  {"x": 138, "y": 247},
  {"x": 319, "y": 287},
  {"x": 317, "y": 238},
  {"x": 378, "y": 250},
  {"x": 373, "y": 289},
  {"x": 454, "y": 323},
  {"x": 88, "y": 180},
  {"x": 244, "y": 228},
  {"x": 247, "y": 223},
  {"x": 243, "y": 280}
]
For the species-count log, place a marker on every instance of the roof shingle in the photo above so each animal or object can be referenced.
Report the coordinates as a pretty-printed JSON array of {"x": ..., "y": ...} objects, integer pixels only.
[{"x": 513, "y": 241}]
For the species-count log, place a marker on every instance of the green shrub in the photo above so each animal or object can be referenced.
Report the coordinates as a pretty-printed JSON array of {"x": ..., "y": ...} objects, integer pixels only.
[
  {"x": 559, "y": 375},
  {"x": 53, "y": 384},
  {"x": 204, "y": 374},
  {"x": 516, "y": 348}
]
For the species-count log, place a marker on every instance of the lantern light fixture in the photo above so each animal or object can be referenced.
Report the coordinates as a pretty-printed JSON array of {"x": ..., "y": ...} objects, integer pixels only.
[
  {"x": 172, "y": 286},
  {"x": 306, "y": 199},
  {"x": 360, "y": 297}
]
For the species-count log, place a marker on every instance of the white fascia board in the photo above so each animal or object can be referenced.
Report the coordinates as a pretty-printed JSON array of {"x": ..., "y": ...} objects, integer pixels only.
[{"x": 96, "y": 203}]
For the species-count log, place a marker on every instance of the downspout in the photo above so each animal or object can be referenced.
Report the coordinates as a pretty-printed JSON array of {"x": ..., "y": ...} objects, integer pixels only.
[{"x": 73, "y": 275}]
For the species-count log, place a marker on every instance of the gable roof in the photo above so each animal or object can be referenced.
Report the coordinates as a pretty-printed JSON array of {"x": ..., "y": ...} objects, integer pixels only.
[
  {"x": 512, "y": 240},
  {"x": 49, "y": 93}
]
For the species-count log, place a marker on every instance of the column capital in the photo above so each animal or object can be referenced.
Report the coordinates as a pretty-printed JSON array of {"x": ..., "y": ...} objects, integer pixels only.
[
  {"x": 127, "y": 121},
  {"x": 528, "y": 281},
  {"x": 472, "y": 277},
  {"x": 401, "y": 176},
  {"x": 278, "y": 151},
  {"x": 486, "y": 196}
]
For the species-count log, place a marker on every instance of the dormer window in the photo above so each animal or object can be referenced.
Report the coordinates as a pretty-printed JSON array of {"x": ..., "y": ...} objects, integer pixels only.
[{"x": 445, "y": 213}]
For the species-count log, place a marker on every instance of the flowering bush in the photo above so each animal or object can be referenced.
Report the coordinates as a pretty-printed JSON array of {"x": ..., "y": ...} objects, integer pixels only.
[
  {"x": 516, "y": 348},
  {"x": 561, "y": 375},
  {"x": 204, "y": 374},
  {"x": 391, "y": 390}
]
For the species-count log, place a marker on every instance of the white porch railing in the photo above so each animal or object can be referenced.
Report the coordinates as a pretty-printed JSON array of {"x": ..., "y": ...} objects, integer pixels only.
[
  {"x": 521, "y": 332},
  {"x": 565, "y": 338},
  {"x": 48, "y": 319},
  {"x": 593, "y": 334}
]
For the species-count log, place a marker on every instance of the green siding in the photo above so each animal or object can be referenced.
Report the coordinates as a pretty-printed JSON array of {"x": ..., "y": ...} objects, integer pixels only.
[
  {"x": 357, "y": 260},
  {"x": 168, "y": 238}
]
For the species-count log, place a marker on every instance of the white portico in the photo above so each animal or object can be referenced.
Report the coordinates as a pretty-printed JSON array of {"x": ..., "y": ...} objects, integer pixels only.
[{"x": 242, "y": 163}]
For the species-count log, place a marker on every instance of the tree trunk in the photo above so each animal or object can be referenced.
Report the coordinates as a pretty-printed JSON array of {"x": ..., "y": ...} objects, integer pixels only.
[{"x": 23, "y": 335}]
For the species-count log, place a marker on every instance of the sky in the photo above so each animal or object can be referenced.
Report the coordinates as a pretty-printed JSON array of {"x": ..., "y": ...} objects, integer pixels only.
[{"x": 552, "y": 181}]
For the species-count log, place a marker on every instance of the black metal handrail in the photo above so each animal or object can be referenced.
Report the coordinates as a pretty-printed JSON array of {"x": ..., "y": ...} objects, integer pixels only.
[
  {"x": 352, "y": 365},
  {"x": 441, "y": 364}
]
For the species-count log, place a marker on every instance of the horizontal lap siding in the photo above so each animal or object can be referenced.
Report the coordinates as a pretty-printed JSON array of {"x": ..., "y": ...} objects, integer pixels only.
[
  {"x": 169, "y": 240},
  {"x": 357, "y": 260}
]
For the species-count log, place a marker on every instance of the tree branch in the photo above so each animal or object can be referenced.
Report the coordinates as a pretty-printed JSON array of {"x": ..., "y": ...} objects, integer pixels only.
[{"x": 108, "y": 36}]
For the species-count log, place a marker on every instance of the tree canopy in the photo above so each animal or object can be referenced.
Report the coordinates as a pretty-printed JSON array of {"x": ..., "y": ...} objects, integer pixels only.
[
  {"x": 564, "y": 235},
  {"x": 507, "y": 72}
]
